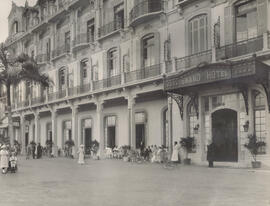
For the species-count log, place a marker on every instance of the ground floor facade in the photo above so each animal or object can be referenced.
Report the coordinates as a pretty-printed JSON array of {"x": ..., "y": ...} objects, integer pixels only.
[
  {"x": 212, "y": 106},
  {"x": 113, "y": 120}
]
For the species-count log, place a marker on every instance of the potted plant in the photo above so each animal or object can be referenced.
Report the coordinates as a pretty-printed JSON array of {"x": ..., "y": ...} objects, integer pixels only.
[
  {"x": 187, "y": 144},
  {"x": 253, "y": 146},
  {"x": 125, "y": 152},
  {"x": 94, "y": 149}
]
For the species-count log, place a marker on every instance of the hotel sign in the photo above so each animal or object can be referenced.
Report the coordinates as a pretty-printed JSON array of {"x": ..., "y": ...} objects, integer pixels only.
[{"x": 212, "y": 73}]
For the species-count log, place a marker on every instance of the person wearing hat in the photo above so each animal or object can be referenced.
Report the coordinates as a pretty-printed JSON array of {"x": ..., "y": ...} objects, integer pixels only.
[
  {"x": 4, "y": 156},
  {"x": 81, "y": 154}
]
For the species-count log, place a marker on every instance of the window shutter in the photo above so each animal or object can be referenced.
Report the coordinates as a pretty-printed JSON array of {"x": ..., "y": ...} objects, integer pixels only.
[
  {"x": 262, "y": 16},
  {"x": 105, "y": 63},
  {"x": 157, "y": 48},
  {"x": 229, "y": 24}
]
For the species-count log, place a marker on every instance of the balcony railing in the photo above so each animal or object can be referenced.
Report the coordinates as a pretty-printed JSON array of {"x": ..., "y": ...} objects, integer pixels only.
[
  {"x": 38, "y": 100},
  {"x": 111, "y": 27},
  {"x": 145, "y": 7},
  {"x": 79, "y": 89},
  {"x": 240, "y": 48},
  {"x": 143, "y": 73},
  {"x": 57, "y": 95},
  {"x": 43, "y": 58},
  {"x": 193, "y": 60},
  {"x": 61, "y": 50},
  {"x": 83, "y": 38},
  {"x": 106, "y": 83}
]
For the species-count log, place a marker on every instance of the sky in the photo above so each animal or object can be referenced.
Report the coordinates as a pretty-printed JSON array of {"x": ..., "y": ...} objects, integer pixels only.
[{"x": 5, "y": 7}]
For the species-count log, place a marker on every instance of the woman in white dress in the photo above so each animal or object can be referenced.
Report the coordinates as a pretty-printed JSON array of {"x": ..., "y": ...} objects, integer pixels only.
[
  {"x": 4, "y": 156},
  {"x": 81, "y": 154},
  {"x": 175, "y": 153}
]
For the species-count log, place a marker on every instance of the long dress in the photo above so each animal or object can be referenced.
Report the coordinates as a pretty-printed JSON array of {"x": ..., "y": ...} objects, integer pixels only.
[
  {"x": 81, "y": 156},
  {"x": 4, "y": 159},
  {"x": 175, "y": 153}
]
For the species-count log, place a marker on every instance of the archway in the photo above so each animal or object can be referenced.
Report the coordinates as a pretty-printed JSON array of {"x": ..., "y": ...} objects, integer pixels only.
[{"x": 224, "y": 134}]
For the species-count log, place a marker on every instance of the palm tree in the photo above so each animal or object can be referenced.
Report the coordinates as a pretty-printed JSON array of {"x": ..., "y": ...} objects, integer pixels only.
[{"x": 15, "y": 70}]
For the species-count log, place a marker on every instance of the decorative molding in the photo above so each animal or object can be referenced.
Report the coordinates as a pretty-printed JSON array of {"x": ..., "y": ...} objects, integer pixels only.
[
  {"x": 195, "y": 102},
  {"x": 179, "y": 99}
]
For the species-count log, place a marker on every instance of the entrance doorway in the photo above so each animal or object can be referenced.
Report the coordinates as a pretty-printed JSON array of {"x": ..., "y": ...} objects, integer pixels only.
[
  {"x": 26, "y": 139},
  {"x": 88, "y": 140},
  {"x": 140, "y": 136},
  {"x": 111, "y": 137},
  {"x": 224, "y": 133}
]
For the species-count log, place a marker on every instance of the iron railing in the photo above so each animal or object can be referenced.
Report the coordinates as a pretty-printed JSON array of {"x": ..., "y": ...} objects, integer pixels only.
[
  {"x": 81, "y": 89},
  {"x": 240, "y": 48},
  {"x": 145, "y": 7},
  {"x": 38, "y": 100},
  {"x": 143, "y": 73},
  {"x": 111, "y": 27},
  {"x": 42, "y": 58},
  {"x": 61, "y": 50},
  {"x": 193, "y": 60},
  {"x": 106, "y": 83},
  {"x": 57, "y": 95},
  {"x": 83, "y": 38}
]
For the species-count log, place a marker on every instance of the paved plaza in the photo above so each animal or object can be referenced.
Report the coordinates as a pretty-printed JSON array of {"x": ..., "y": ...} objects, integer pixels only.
[{"x": 115, "y": 183}]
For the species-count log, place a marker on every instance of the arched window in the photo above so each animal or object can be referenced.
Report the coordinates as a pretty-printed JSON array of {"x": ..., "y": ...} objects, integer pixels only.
[
  {"x": 112, "y": 62},
  {"x": 197, "y": 34},
  {"x": 148, "y": 50},
  {"x": 260, "y": 118},
  {"x": 15, "y": 27},
  {"x": 62, "y": 77}
]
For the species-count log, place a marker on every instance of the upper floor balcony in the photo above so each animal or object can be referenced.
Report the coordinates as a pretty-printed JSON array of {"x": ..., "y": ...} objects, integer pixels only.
[
  {"x": 111, "y": 28},
  {"x": 60, "y": 51},
  {"x": 82, "y": 40},
  {"x": 43, "y": 58},
  {"x": 145, "y": 10}
]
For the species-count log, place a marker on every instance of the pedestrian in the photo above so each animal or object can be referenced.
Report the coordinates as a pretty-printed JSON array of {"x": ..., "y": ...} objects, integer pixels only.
[
  {"x": 4, "y": 156},
  {"x": 39, "y": 151},
  {"x": 175, "y": 153},
  {"x": 81, "y": 154},
  {"x": 28, "y": 151},
  {"x": 210, "y": 154},
  {"x": 33, "y": 149}
]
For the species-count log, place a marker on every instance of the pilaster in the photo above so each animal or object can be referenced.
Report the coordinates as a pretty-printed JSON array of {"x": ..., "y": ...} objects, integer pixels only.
[
  {"x": 100, "y": 126},
  {"x": 37, "y": 127},
  {"x": 22, "y": 131},
  {"x": 75, "y": 127}
]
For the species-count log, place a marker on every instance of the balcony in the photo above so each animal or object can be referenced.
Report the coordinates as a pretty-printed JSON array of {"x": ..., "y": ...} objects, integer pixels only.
[
  {"x": 111, "y": 28},
  {"x": 79, "y": 89},
  {"x": 82, "y": 40},
  {"x": 106, "y": 83},
  {"x": 241, "y": 48},
  {"x": 145, "y": 11},
  {"x": 147, "y": 72},
  {"x": 60, "y": 51},
  {"x": 43, "y": 58},
  {"x": 193, "y": 60},
  {"x": 57, "y": 95},
  {"x": 38, "y": 100}
]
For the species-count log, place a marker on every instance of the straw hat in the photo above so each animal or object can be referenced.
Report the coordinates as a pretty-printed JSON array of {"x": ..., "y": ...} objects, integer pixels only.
[{"x": 81, "y": 145}]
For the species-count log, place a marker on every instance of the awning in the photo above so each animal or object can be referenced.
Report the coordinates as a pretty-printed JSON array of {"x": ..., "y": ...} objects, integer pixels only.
[{"x": 239, "y": 72}]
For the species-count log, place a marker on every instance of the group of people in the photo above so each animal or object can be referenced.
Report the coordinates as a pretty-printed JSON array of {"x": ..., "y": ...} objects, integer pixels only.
[
  {"x": 34, "y": 150},
  {"x": 8, "y": 159}
]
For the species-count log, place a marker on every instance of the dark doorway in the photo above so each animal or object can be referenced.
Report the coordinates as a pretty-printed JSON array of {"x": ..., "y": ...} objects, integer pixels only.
[
  {"x": 88, "y": 140},
  {"x": 26, "y": 139},
  {"x": 224, "y": 133},
  {"x": 69, "y": 134},
  {"x": 111, "y": 137},
  {"x": 50, "y": 136},
  {"x": 140, "y": 136}
]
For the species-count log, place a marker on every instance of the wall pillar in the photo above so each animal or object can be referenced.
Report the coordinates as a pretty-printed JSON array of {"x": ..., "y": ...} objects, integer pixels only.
[
  {"x": 22, "y": 131},
  {"x": 170, "y": 122},
  {"x": 74, "y": 130},
  {"x": 100, "y": 127},
  {"x": 37, "y": 128},
  {"x": 54, "y": 131},
  {"x": 131, "y": 119}
]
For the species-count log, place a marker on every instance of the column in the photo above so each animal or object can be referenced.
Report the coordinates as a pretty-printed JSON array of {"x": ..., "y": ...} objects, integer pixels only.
[
  {"x": 100, "y": 127},
  {"x": 37, "y": 128},
  {"x": 265, "y": 41},
  {"x": 170, "y": 104},
  {"x": 75, "y": 128},
  {"x": 131, "y": 119},
  {"x": 22, "y": 133},
  {"x": 54, "y": 131}
]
